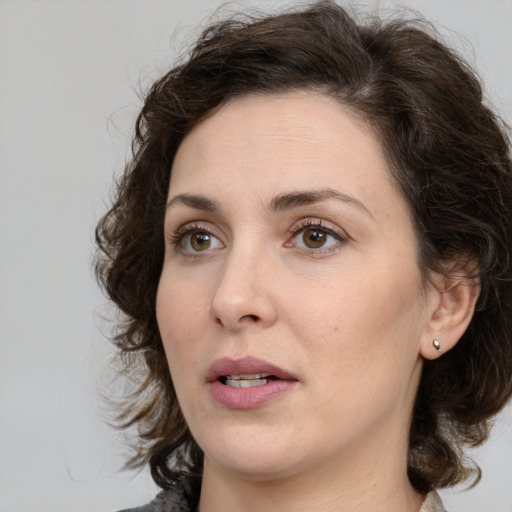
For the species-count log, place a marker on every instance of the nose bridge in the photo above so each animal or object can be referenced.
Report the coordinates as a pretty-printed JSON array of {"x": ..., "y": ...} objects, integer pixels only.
[{"x": 243, "y": 291}]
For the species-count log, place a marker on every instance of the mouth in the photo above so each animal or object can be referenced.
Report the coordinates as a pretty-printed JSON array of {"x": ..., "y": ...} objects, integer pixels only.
[
  {"x": 248, "y": 382},
  {"x": 246, "y": 372}
]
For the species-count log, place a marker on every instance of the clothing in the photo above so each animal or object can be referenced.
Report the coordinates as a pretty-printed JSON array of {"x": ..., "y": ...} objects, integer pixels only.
[
  {"x": 433, "y": 503},
  {"x": 185, "y": 496}
]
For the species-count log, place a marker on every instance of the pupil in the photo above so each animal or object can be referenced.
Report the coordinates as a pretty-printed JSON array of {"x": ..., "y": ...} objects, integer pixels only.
[
  {"x": 200, "y": 241},
  {"x": 314, "y": 238}
]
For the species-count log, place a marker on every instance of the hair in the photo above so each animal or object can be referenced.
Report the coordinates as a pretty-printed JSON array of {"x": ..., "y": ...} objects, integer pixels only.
[{"x": 448, "y": 153}]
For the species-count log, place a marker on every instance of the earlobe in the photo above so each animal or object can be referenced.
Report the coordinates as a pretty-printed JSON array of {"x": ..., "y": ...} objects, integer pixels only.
[{"x": 452, "y": 307}]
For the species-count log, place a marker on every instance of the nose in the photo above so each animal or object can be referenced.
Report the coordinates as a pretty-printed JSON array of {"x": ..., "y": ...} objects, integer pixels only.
[{"x": 243, "y": 295}]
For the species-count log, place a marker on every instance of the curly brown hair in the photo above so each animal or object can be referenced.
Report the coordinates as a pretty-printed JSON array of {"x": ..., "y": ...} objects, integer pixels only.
[{"x": 448, "y": 152}]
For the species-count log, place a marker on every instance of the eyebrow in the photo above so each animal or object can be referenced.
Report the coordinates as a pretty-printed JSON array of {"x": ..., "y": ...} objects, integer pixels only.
[
  {"x": 297, "y": 199},
  {"x": 280, "y": 203},
  {"x": 195, "y": 201}
]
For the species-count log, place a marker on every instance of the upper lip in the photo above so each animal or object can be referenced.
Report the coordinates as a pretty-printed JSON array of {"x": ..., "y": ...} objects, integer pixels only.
[{"x": 245, "y": 366}]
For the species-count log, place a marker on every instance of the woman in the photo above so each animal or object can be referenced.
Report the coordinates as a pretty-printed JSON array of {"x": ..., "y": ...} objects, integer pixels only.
[{"x": 312, "y": 250}]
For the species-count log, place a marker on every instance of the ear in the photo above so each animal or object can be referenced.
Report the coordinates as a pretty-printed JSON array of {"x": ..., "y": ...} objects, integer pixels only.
[{"x": 451, "y": 307}]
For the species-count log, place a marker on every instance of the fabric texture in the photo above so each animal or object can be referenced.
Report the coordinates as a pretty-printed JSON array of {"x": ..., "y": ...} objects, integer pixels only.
[
  {"x": 433, "y": 503},
  {"x": 185, "y": 497}
]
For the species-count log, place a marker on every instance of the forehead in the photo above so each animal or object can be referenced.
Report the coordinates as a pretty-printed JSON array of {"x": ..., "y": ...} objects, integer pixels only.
[
  {"x": 294, "y": 134},
  {"x": 245, "y": 119},
  {"x": 269, "y": 144}
]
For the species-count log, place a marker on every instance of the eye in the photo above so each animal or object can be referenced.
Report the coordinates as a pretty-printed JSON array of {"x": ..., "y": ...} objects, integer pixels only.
[
  {"x": 194, "y": 239},
  {"x": 315, "y": 236}
]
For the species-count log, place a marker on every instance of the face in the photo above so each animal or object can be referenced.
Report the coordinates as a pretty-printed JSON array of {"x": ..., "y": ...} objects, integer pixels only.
[{"x": 290, "y": 304}]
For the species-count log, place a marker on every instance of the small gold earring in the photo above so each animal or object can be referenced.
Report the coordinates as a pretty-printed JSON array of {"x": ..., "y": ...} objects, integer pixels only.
[{"x": 437, "y": 345}]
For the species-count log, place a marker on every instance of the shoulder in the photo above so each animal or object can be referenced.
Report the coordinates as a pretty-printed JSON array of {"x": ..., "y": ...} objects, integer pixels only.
[{"x": 182, "y": 497}]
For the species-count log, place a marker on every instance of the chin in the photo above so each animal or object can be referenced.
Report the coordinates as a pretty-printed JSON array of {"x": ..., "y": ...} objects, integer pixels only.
[{"x": 253, "y": 456}]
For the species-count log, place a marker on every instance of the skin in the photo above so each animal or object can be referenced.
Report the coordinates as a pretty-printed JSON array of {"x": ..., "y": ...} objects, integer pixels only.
[{"x": 351, "y": 319}]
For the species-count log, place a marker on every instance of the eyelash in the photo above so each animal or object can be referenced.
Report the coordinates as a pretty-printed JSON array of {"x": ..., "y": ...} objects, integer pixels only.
[{"x": 177, "y": 238}]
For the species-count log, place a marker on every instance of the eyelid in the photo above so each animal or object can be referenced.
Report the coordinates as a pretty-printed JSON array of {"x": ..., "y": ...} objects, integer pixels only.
[{"x": 315, "y": 222}]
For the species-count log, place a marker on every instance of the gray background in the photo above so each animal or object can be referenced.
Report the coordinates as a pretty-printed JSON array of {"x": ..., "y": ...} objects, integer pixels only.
[{"x": 70, "y": 71}]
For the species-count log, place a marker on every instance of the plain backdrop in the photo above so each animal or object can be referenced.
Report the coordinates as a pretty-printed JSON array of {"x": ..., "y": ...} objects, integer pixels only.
[{"x": 70, "y": 74}]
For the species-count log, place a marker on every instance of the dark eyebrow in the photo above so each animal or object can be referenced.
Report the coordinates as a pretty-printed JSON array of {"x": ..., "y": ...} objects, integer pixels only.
[
  {"x": 280, "y": 203},
  {"x": 195, "y": 201},
  {"x": 292, "y": 200}
]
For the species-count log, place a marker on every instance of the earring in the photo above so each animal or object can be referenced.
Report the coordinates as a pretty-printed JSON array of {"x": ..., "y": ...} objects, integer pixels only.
[{"x": 437, "y": 345}]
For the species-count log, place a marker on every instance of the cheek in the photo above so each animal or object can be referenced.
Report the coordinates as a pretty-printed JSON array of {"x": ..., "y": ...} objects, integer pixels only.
[
  {"x": 179, "y": 302},
  {"x": 365, "y": 329},
  {"x": 177, "y": 318}
]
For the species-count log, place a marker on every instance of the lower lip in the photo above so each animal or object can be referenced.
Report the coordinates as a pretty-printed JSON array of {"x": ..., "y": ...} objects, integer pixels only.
[{"x": 249, "y": 398}]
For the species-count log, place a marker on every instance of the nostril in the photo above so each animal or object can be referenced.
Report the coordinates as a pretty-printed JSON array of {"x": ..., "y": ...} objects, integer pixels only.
[
  {"x": 253, "y": 318},
  {"x": 242, "y": 319}
]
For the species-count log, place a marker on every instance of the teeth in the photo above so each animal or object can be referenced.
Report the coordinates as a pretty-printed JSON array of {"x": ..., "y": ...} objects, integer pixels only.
[
  {"x": 248, "y": 380},
  {"x": 247, "y": 376},
  {"x": 249, "y": 383}
]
